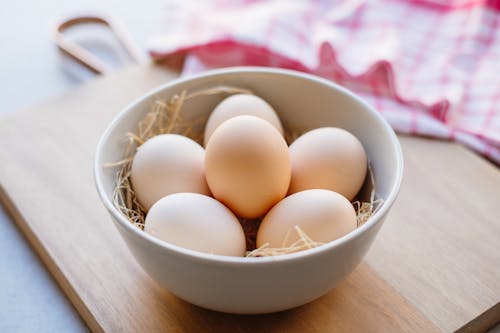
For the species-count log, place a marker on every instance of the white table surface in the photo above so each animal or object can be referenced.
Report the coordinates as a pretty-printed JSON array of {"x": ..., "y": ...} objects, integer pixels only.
[{"x": 32, "y": 70}]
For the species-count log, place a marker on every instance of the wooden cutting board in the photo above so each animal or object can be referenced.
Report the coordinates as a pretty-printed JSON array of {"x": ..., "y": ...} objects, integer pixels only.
[{"x": 435, "y": 265}]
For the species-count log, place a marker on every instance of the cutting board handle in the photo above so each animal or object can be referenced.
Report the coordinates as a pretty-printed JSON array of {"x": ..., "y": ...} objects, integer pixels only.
[{"x": 85, "y": 57}]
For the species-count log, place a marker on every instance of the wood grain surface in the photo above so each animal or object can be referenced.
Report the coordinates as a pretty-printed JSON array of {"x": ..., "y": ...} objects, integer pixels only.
[
  {"x": 443, "y": 236},
  {"x": 434, "y": 266}
]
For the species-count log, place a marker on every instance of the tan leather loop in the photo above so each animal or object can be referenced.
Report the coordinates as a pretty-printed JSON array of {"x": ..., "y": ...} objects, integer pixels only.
[{"x": 85, "y": 57}]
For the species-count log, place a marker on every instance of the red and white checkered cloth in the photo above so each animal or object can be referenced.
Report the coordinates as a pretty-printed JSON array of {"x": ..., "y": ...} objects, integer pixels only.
[{"x": 431, "y": 68}]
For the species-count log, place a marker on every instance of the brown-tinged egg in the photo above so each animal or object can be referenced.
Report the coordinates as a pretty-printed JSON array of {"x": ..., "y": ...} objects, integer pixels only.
[
  {"x": 322, "y": 215},
  {"x": 197, "y": 222},
  {"x": 328, "y": 158},
  {"x": 167, "y": 164},
  {"x": 238, "y": 105},
  {"x": 247, "y": 165}
]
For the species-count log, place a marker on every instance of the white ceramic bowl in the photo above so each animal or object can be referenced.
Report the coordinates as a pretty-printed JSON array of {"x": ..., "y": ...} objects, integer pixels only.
[{"x": 259, "y": 285}]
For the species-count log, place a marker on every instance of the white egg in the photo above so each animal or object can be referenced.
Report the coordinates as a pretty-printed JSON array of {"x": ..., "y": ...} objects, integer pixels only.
[
  {"x": 167, "y": 164},
  {"x": 196, "y": 222},
  {"x": 240, "y": 105},
  {"x": 328, "y": 158},
  {"x": 322, "y": 214}
]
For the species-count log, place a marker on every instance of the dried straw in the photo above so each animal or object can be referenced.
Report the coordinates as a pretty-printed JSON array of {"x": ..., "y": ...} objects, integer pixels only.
[
  {"x": 165, "y": 117},
  {"x": 303, "y": 243}
]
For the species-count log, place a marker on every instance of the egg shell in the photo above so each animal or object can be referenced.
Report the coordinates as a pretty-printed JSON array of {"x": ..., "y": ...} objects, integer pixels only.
[
  {"x": 167, "y": 164},
  {"x": 247, "y": 165},
  {"x": 322, "y": 214},
  {"x": 328, "y": 158},
  {"x": 196, "y": 222},
  {"x": 238, "y": 105}
]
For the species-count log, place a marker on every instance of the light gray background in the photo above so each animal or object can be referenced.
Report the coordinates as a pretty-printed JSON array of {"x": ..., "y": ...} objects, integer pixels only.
[{"x": 32, "y": 70}]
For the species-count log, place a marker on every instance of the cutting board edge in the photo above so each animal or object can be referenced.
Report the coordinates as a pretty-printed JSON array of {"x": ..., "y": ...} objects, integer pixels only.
[
  {"x": 49, "y": 263},
  {"x": 483, "y": 321}
]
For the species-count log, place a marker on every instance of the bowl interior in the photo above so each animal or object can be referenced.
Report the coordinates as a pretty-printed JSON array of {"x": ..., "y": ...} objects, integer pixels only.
[{"x": 302, "y": 101}]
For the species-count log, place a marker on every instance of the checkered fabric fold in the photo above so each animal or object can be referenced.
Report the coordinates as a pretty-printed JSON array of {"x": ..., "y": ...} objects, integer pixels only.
[{"x": 431, "y": 68}]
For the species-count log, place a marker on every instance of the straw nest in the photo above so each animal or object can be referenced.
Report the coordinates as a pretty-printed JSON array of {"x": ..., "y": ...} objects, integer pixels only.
[{"x": 165, "y": 117}]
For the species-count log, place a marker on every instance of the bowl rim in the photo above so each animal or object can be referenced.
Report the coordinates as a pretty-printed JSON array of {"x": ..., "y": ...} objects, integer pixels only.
[{"x": 247, "y": 261}]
